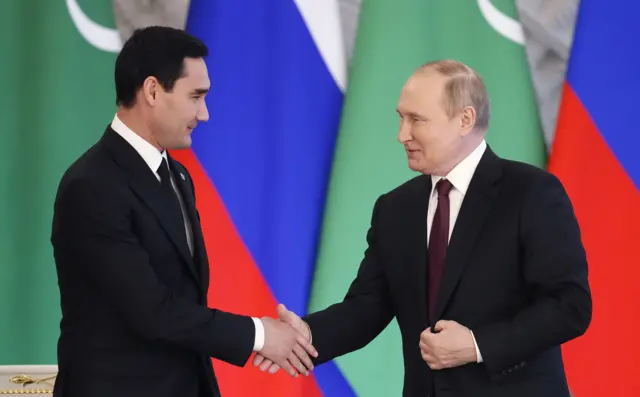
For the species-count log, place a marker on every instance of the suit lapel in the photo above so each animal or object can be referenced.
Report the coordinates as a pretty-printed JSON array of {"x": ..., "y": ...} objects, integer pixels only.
[
  {"x": 477, "y": 202},
  {"x": 145, "y": 184},
  {"x": 416, "y": 216},
  {"x": 186, "y": 191},
  {"x": 149, "y": 191}
]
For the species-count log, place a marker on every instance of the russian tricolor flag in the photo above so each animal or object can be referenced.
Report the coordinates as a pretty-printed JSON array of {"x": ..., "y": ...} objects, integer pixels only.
[
  {"x": 261, "y": 164},
  {"x": 596, "y": 154}
]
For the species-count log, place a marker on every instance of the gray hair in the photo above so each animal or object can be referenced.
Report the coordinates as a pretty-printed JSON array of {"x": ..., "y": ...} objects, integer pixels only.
[{"x": 463, "y": 88}]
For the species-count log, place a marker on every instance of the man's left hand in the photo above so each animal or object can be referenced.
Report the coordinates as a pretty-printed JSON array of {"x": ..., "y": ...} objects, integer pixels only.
[{"x": 451, "y": 346}]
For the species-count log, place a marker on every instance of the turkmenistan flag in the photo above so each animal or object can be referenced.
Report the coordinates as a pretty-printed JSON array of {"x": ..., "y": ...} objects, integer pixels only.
[
  {"x": 394, "y": 38},
  {"x": 58, "y": 96}
]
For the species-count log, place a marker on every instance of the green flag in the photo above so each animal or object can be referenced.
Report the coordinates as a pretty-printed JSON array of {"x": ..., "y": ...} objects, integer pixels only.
[
  {"x": 58, "y": 98},
  {"x": 394, "y": 38}
]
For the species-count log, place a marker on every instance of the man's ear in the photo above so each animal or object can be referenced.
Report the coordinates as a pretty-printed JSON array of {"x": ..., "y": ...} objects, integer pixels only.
[
  {"x": 467, "y": 120},
  {"x": 150, "y": 88}
]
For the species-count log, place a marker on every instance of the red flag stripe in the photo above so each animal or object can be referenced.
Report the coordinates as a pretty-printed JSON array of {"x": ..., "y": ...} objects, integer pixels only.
[
  {"x": 607, "y": 204},
  {"x": 237, "y": 286}
]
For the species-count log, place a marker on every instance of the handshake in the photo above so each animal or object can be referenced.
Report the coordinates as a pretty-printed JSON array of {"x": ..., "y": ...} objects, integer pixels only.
[{"x": 287, "y": 345}]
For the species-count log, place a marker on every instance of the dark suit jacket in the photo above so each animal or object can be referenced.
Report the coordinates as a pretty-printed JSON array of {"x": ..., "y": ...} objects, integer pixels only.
[
  {"x": 515, "y": 274},
  {"x": 134, "y": 301}
]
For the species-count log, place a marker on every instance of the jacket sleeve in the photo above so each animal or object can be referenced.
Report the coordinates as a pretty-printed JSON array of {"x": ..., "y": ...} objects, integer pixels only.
[
  {"x": 555, "y": 270},
  {"x": 93, "y": 233},
  {"x": 365, "y": 311}
]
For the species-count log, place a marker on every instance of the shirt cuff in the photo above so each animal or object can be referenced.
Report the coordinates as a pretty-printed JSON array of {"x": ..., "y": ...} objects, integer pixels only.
[
  {"x": 259, "y": 342},
  {"x": 478, "y": 355}
]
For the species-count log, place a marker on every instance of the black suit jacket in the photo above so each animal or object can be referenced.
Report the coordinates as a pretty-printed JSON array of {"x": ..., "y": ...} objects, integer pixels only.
[
  {"x": 515, "y": 274},
  {"x": 135, "y": 320}
]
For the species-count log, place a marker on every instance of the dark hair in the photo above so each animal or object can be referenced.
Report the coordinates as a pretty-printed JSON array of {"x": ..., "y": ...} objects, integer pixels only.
[{"x": 157, "y": 51}]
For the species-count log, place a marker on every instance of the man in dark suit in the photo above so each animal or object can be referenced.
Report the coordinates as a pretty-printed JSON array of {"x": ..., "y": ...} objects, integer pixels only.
[
  {"x": 479, "y": 259},
  {"x": 132, "y": 267}
]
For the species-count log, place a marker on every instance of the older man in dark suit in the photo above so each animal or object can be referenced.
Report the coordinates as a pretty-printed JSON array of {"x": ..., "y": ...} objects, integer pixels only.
[{"x": 479, "y": 258}]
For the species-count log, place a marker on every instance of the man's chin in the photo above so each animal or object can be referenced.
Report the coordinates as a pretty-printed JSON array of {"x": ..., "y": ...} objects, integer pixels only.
[
  {"x": 185, "y": 144},
  {"x": 413, "y": 165}
]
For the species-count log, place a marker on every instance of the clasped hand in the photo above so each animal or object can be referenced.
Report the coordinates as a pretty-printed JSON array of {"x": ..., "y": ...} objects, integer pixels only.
[
  {"x": 450, "y": 346},
  {"x": 286, "y": 345}
]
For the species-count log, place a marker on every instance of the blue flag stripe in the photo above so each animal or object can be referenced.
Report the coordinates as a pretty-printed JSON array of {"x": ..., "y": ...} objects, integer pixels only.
[
  {"x": 268, "y": 146},
  {"x": 603, "y": 73}
]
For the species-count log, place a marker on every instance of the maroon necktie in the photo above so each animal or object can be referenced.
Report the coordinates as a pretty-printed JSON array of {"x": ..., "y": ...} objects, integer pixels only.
[{"x": 438, "y": 241}]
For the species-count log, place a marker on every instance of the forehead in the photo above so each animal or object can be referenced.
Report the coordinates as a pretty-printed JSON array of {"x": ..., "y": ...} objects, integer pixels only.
[
  {"x": 194, "y": 73},
  {"x": 422, "y": 91}
]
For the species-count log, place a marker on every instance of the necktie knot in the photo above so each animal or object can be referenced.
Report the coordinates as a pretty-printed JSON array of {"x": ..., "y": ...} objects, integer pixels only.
[
  {"x": 163, "y": 171},
  {"x": 443, "y": 187}
]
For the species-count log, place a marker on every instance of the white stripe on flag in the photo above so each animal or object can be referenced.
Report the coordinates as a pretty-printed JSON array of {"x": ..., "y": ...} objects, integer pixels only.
[{"x": 323, "y": 21}]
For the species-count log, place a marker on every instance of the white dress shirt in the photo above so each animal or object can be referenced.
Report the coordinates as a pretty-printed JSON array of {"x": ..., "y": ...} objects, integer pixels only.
[
  {"x": 153, "y": 157},
  {"x": 460, "y": 177}
]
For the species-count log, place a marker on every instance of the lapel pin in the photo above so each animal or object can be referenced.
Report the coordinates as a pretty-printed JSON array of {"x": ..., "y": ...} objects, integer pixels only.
[{"x": 182, "y": 175}]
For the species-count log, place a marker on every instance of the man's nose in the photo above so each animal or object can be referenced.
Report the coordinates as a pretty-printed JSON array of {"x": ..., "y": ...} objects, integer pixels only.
[
  {"x": 404, "y": 133},
  {"x": 203, "y": 113}
]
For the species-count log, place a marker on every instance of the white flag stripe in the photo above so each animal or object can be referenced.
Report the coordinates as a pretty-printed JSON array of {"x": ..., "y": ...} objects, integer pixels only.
[{"x": 322, "y": 18}]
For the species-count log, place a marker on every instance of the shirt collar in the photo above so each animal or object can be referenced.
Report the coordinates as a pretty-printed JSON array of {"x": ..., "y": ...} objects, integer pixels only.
[
  {"x": 149, "y": 153},
  {"x": 460, "y": 176}
]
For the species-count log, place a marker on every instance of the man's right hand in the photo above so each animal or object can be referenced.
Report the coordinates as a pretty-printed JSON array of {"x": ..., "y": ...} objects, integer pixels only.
[
  {"x": 286, "y": 347},
  {"x": 290, "y": 318}
]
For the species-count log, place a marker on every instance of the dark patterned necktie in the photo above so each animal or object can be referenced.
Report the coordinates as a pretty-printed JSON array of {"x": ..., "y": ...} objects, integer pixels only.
[{"x": 171, "y": 197}]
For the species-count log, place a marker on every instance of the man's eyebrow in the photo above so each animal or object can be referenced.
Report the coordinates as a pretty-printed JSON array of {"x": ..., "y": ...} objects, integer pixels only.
[
  {"x": 411, "y": 114},
  {"x": 200, "y": 91}
]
